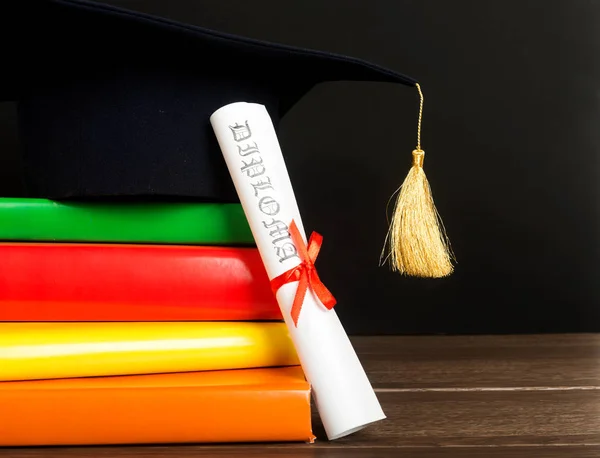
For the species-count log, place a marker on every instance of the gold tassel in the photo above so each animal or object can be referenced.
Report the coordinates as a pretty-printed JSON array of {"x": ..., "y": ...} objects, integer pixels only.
[{"x": 418, "y": 244}]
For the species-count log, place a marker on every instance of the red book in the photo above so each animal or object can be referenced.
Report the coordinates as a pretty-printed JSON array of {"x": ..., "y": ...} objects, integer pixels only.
[{"x": 109, "y": 282}]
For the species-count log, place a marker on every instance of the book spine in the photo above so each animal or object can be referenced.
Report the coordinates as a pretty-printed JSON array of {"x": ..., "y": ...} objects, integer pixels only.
[
  {"x": 152, "y": 222},
  {"x": 31, "y": 351},
  {"x": 78, "y": 414},
  {"x": 91, "y": 282}
]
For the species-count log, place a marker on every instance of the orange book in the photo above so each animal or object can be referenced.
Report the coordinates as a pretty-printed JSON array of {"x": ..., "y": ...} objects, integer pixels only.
[{"x": 249, "y": 405}]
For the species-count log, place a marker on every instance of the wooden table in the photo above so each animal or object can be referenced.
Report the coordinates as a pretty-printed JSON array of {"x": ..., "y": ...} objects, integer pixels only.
[{"x": 446, "y": 397}]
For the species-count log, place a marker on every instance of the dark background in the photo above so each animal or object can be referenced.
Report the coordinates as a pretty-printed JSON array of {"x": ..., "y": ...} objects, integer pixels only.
[{"x": 512, "y": 135}]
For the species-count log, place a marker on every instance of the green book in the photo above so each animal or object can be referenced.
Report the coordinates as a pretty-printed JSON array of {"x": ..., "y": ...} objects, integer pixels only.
[{"x": 156, "y": 222}]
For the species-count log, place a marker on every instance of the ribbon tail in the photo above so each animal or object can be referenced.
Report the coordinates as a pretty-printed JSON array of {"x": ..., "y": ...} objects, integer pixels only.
[
  {"x": 299, "y": 298},
  {"x": 314, "y": 246},
  {"x": 298, "y": 241},
  {"x": 321, "y": 291}
]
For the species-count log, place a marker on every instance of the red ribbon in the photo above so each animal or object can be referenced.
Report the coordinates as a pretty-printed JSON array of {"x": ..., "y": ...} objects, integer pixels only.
[{"x": 305, "y": 273}]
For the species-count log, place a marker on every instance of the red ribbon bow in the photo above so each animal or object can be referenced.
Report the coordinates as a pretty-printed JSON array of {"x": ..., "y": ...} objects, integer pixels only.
[{"x": 305, "y": 273}]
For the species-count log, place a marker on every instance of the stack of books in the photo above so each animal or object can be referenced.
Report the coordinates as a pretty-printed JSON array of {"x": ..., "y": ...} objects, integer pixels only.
[{"x": 141, "y": 323}]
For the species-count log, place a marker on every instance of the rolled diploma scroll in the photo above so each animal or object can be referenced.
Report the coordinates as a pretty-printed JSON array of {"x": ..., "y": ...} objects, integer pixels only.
[{"x": 342, "y": 392}]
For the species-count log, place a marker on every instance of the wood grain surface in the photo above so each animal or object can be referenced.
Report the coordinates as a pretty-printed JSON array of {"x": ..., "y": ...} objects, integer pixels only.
[
  {"x": 287, "y": 451},
  {"x": 447, "y": 397},
  {"x": 521, "y": 361}
]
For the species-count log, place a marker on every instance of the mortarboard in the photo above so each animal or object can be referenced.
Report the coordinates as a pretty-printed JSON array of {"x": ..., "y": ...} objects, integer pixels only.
[{"x": 113, "y": 102}]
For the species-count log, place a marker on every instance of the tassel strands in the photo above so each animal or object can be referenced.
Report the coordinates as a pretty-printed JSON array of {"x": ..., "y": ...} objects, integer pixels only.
[{"x": 417, "y": 242}]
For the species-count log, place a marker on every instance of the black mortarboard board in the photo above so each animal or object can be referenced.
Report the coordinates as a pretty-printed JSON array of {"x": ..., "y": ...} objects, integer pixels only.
[
  {"x": 117, "y": 103},
  {"x": 113, "y": 102}
]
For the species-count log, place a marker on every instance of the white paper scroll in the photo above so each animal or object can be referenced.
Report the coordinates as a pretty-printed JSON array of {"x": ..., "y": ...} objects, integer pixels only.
[{"x": 342, "y": 392}]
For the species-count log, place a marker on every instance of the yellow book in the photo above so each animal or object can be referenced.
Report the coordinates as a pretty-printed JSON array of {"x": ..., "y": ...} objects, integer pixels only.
[{"x": 62, "y": 350}]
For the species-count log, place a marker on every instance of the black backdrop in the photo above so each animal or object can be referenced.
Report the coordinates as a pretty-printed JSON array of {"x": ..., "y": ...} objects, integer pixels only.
[{"x": 512, "y": 135}]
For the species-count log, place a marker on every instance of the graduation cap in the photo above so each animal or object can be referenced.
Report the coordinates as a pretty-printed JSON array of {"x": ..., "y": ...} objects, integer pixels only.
[{"x": 113, "y": 102}]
